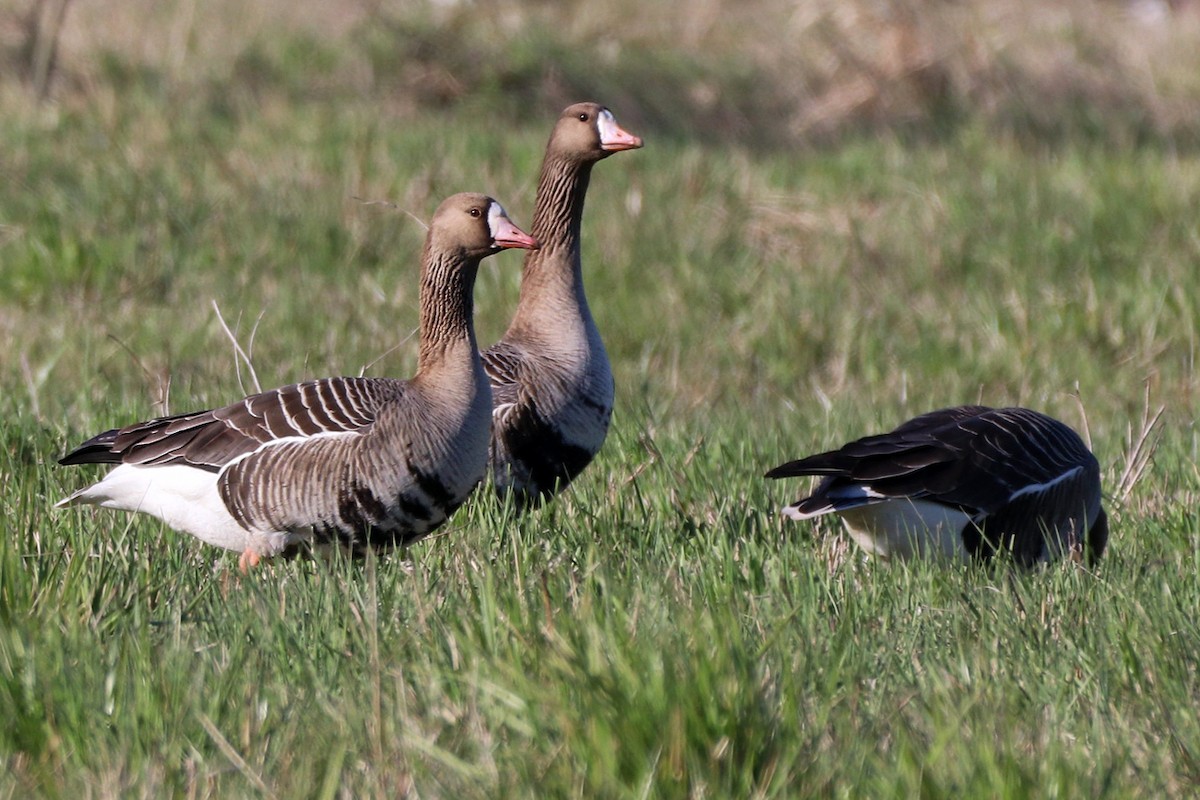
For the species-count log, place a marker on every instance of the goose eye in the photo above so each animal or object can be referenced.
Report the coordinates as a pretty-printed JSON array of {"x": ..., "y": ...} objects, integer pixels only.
[{"x": 475, "y": 212}]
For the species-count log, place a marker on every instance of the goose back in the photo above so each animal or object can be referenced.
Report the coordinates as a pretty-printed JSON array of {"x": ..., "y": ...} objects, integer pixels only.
[{"x": 1008, "y": 478}]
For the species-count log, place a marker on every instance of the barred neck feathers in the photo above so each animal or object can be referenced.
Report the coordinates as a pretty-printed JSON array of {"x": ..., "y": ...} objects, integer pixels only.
[
  {"x": 465, "y": 229},
  {"x": 552, "y": 284},
  {"x": 447, "y": 304},
  {"x": 557, "y": 221}
]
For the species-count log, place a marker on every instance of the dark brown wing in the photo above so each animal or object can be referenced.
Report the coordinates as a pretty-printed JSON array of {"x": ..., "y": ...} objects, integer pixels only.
[
  {"x": 502, "y": 363},
  {"x": 211, "y": 439},
  {"x": 1038, "y": 514},
  {"x": 969, "y": 457}
]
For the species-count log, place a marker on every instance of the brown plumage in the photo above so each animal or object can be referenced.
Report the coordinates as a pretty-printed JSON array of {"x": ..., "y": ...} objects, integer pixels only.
[
  {"x": 356, "y": 462},
  {"x": 963, "y": 482},
  {"x": 551, "y": 380}
]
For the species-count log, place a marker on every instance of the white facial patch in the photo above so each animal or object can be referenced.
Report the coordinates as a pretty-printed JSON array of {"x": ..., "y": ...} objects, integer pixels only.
[
  {"x": 606, "y": 123},
  {"x": 495, "y": 215}
]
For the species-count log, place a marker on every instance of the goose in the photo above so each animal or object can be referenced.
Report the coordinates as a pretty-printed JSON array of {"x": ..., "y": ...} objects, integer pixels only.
[
  {"x": 962, "y": 483},
  {"x": 551, "y": 381},
  {"x": 360, "y": 463}
]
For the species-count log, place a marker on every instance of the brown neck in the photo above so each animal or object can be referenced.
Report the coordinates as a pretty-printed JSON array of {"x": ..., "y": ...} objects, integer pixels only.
[
  {"x": 557, "y": 220},
  {"x": 447, "y": 304}
]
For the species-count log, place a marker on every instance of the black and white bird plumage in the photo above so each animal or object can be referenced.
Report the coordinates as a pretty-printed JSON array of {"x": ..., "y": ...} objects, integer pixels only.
[
  {"x": 552, "y": 384},
  {"x": 962, "y": 483},
  {"x": 352, "y": 462}
]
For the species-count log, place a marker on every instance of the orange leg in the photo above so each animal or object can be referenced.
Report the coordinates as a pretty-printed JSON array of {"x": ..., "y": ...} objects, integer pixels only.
[{"x": 248, "y": 561}]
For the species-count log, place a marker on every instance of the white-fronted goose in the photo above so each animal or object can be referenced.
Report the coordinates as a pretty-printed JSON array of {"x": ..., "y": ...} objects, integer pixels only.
[
  {"x": 960, "y": 483},
  {"x": 353, "y": 462},
  {"x": 551, "y": 381}
]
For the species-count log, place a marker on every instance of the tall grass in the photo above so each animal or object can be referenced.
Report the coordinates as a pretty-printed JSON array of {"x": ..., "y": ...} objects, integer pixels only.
[{"x": 768, "y": 283}]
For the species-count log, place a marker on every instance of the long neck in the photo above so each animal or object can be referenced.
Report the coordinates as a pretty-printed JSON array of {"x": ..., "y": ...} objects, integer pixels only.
[
  {"x": 554, "y": 270},
  {"x": 447, "y": 305}
]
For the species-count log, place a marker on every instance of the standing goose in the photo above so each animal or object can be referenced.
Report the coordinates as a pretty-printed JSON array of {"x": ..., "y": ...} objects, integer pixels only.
[
  {"x": 356, "y": 462},
  {"x": 551, "y": 381},
  {"x": 963, "y": 482}
]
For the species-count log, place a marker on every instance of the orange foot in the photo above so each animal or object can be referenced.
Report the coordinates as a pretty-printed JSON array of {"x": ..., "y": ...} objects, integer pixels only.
[{"x": 248, "y": 560}]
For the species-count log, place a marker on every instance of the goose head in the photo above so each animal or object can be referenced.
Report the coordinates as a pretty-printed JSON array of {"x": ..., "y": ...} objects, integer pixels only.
[
  {"x": 590, "y": 132},
  {"x": 477, "y": 226}
]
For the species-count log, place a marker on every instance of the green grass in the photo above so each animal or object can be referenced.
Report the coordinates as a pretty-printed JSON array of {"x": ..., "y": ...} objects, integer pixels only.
[{"x": 658, "y": 631}]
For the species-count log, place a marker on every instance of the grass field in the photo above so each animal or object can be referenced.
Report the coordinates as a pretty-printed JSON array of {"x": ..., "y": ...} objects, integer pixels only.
[{"x": 773, "y": 276}]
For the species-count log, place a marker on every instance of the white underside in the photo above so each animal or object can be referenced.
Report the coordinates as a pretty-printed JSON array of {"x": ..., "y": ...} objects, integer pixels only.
[
  {"x": 186, "y": 498},
  {"x": 904, "y": 528}
]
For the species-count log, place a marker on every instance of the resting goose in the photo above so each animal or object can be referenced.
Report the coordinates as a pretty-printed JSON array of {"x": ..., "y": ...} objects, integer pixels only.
[
  {"x": 961, "y": 483},
  {"x": 354, "y": 462},
  {"x": 551, "y": 381}
]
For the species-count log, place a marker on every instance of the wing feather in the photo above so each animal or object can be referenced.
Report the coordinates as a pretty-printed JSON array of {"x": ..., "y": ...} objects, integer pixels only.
[
  {"x": 212, "y": 439},
  {"x": 503, "y": 364},
  {"x": 1027, "y": 482},
  {"x": 970, "y": 457}
]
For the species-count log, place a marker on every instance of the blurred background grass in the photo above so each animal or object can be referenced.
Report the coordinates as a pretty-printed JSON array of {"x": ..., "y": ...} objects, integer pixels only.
[{"x": 755, "y": 73}]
